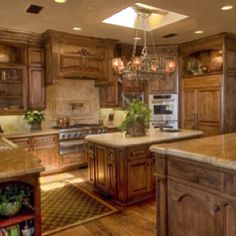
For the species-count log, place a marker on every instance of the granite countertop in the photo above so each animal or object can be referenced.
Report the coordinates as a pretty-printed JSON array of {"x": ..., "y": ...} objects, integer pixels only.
[
  {"x": 28, "y": 133},
  {"x": 118, "y": 140},
  {"x": 217, "y": 150},
  {"x": 16, "y": 162}
]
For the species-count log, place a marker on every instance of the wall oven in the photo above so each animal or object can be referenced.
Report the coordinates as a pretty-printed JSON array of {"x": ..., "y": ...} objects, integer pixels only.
[{"x": 164, "y": 110}]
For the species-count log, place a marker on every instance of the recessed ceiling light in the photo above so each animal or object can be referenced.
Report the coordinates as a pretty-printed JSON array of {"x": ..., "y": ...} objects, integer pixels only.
[
  {"x": 60, "y": 1},
  {"x": 199, "y": 32},
  {"x": 77, "y": 28},
  {"x": 137, "y": 38},
  {"x": 227, "y": 7}
]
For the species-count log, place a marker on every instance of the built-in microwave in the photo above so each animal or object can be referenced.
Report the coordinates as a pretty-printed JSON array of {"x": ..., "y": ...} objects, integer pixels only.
[
  {"x": 164, "y": 107},
  {"x": 130, "y": 96}
]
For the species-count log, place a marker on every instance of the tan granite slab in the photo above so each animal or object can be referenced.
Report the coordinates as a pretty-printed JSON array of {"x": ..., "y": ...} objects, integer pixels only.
[
  {"x": 118, "y": 140},
  {"x": 218, "y": 150},
  {"x": 21, "y": 134},
  {"x": 17, "y": 162}
]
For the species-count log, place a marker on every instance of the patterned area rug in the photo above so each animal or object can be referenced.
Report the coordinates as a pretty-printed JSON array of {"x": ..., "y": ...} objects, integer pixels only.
[{"x": 65, "y": 205}]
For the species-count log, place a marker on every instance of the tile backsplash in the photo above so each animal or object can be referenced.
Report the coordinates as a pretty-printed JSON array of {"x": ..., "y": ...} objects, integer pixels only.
[{"x": 119, "y": 116}]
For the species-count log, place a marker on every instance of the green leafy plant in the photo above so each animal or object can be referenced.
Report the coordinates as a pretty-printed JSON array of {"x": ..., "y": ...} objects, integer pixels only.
[
  {"x": 34, "y": 116},
  {"x": 138, "y": 111}
]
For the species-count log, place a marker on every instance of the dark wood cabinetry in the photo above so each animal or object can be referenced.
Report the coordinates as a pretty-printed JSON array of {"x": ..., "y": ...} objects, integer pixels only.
[
  {"x": 127, "y": 176},
  {"x": 32, "y": 182},
  {"x": 170, "y": 83},
  {"x": 36, "y": 77},
  {"x": 208, "y": 84}
]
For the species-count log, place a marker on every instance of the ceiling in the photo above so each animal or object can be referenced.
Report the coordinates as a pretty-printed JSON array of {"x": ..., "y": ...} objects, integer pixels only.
[{"x": 203, "y": 15}]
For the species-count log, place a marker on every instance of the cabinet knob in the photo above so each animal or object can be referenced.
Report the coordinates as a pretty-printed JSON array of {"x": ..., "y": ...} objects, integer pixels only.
[{"x": 216, "y": 208}]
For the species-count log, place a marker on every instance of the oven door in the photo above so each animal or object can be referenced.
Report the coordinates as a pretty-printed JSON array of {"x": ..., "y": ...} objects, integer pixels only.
[
  {"x": 164, "y": 110},
  {"x": 72, "y": 146}
]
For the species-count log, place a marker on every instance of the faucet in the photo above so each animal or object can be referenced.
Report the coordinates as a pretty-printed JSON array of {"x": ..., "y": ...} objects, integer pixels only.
[{"x": 162, "y": 125}]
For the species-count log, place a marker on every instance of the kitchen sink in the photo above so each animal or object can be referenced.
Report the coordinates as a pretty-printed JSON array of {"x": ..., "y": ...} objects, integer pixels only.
[{"x": 171, "y": 130}]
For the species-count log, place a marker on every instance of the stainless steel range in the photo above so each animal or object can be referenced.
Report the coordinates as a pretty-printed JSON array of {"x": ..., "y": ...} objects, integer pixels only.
[{"x": 71, "y": 140}]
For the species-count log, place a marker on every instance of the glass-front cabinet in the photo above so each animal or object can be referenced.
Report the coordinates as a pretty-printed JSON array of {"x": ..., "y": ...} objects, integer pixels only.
[{"x": 13, "y": 87}]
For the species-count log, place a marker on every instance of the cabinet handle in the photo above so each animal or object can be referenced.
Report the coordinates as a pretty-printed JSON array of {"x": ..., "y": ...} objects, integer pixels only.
[{"x": 216, "y": 208}]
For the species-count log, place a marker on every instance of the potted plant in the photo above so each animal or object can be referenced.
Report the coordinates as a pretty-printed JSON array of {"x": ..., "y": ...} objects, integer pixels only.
[
  {"x": 136, "y": 119},
  {"x": 34, "y": 118},
  {"x": 11, "y": 200}
]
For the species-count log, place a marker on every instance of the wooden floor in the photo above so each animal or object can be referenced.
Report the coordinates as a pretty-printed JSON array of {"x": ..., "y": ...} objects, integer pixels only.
[{"x": 135, "y": 220}]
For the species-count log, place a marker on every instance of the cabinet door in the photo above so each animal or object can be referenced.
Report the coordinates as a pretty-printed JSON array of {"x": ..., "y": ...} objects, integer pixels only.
[
  {"x": 132, "y": 85},
  {"x": 46, "y": 149},
  {"x": 208, "y": 107},
  {"x": 100, "y": 168},
  {"x": 36, "y": 88},
  {"x": 228, "y": 208},
  {"x": 138, "y": 177},
  {"x": 189, "y": 109},
  {"x": 36, "y": 57},
  {"x": 111, "y": 172},
  {"x": 192, "y": 212}
]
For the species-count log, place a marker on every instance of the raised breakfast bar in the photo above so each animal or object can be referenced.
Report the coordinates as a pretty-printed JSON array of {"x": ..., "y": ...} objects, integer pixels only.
[
  {"x": 196, "y": 187},
  {"x": 122, "y": 167}
]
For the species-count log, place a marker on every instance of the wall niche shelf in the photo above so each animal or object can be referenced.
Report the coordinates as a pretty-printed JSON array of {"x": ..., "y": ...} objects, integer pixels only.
[{"x": 205, "y": 62}]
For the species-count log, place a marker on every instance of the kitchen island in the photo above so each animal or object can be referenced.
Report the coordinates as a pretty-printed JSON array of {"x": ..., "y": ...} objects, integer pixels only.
[
  {"x": 122, "y": 167},
  {"x": 22, "y": 169},
  {"x": 196, "y": 187}
]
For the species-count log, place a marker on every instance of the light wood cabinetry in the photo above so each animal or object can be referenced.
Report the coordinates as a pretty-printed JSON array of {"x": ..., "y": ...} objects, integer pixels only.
[
  {"x": 36, "y": 76},
  {"x": 194, "y": 198},
  {"x": 208, "y": 84},
  {"x": 45, "y": 147}
]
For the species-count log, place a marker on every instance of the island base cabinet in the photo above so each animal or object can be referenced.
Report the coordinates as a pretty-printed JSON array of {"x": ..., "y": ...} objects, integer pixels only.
[
  {"x": 138, "y": 177},
  {"x": 190, "y": 207},
  {"x": 194, "y": 198},
  {"x": 126, "y": 175}
]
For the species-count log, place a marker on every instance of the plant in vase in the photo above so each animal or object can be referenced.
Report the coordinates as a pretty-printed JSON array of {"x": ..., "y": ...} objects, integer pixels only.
[
  {"x": 34, "y": 118},
  {"x": 137, "y": 118},
  {"x": 11, "y": 200}
]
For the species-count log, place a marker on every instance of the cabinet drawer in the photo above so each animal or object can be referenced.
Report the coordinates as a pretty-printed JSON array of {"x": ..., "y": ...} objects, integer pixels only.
[
  {"x": 195, "y": 174},
  {"x": 138, "y": 153},
  {"x": 44, "y": 141},
  {"x": 23, "y": 143},
  {"x": 73, "y": 159}
]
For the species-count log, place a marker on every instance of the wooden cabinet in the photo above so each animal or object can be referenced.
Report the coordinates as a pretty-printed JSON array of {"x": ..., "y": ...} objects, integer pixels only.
[
  {"x": 91, "y": 161},
  {"x": 191, "y": 207},
  {"x": 126, "y": 175},
  {"x": 209, "y": 66},
  {"x": 132, "y": 85},
  {"x": 45, "y": 147},
  {"x": 13, "y": 79},
  {"x": 194, "y": 198},
  {"x": 30, "y": 182},
  {"x": 73, "y": 56},
  {"x": 73, "y": 160},
  {"x": 170, "y": 83},
  {"x": 201, "y": 104},
  {"x": 138, "y": 177},
  {"x": 36, "y": 76}
]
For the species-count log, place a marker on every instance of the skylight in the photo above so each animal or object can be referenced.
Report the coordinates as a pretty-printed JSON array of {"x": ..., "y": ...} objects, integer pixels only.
[{"x": 158, "y": 17}]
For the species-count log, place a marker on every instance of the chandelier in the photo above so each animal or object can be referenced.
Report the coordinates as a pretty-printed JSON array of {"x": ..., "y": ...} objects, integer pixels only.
[{"x": 145, "y": 66}]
